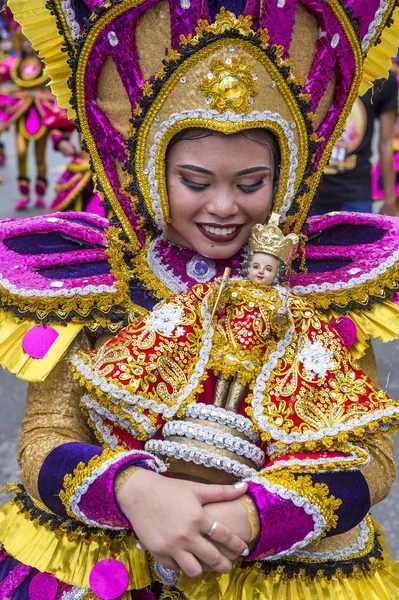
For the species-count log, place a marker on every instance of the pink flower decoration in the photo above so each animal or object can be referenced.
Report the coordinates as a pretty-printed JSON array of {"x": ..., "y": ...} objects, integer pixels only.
[
  {"x": 38, "y": 341},
  {"x": 347, "y": 330},
  {"x": 395, "y": 298},
  {"x": 108, "y": 579},
  {"x": 43, "y": 587}
]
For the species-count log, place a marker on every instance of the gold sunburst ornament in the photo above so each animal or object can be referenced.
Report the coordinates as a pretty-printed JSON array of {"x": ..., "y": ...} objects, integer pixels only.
[{"x": 230, "y": 84}]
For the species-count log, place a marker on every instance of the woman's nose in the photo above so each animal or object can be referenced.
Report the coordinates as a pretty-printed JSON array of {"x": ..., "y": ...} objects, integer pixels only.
[{"x": 223, "y": 204}]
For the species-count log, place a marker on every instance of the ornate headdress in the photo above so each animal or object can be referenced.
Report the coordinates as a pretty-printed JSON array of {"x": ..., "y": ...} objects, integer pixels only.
[
  {"x": 140, "y": 71},
  {"x": 269, "y": 239}
]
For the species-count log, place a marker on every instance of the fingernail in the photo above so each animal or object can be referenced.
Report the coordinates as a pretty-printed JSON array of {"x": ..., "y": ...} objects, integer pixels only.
[
  {"x": 245, "y": 553},
  {"x": 138, "y": 546},
  {"x": 239, "y": 484}
]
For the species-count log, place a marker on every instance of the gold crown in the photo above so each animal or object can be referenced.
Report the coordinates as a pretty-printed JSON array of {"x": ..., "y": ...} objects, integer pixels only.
[{"x": 269, "y": 239}]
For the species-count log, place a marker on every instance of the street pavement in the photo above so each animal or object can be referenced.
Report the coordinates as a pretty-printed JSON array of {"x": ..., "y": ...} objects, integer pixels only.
[{"x": 12, "y": 390}]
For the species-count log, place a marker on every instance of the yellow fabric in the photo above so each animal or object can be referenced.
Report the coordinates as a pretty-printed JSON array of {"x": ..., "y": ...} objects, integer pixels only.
[
  {"x": 14, "y": 358},
  {"x": 69, "y": 560},
  {"x": 253, "y": 585},
  {"x": 40, "y": 26},
  {"x": 381, "y": 322},
  {"x": 378, "y": 60}
]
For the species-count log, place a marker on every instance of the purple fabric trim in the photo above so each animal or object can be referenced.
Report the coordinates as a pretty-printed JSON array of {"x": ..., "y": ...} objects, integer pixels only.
[
  {"x": 62, "y": 460},
  {"x": 86, "y": 270},
  {"x": 282, "y": 524},
  {"x": 99, "y": 502},
  {"x": 350, "y": 487}
]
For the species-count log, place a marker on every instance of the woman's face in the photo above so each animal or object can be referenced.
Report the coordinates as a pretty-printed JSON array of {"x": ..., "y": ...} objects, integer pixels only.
[{"x": 218, "y": 186}]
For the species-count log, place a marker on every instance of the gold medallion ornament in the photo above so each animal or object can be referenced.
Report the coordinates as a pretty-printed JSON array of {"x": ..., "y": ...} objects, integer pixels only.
[{"x": 230, "y": 84}]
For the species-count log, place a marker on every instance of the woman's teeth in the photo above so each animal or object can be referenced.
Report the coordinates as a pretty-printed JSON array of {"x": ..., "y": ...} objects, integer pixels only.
[{"x": 219, "y": 230}]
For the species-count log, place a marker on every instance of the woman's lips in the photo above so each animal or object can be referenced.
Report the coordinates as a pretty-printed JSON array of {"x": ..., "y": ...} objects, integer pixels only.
[{"x": 216, "y": 233}]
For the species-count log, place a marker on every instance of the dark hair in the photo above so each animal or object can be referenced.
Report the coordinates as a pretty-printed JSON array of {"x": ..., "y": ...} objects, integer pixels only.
[{"x": 260, "y": 136}]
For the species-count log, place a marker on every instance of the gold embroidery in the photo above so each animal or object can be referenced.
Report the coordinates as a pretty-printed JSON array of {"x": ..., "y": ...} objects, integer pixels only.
[
  {"x": 318, "y": 494},
  {"x": 230, "y": 85}
]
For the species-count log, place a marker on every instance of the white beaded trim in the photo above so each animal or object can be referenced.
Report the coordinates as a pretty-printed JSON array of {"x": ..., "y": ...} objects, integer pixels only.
[
  {"x": 222, "y": 416},
  {"x": 163, "y": 272},
  {"x": 104, "y": 430},
  {"x": 157, "y": 407},
  {"x": 66, "y": 7},
  {"x": 374, "y": 24},
  {"x": 300, "y": 501},
  {"x": 199, "y": 457},
  {"x": 343, "y": 285},
  {"x": 76, "y": 291},
  {"x": 117, "y": 418},
  {"x": 358, "y": 546},
  {"x": 319, "y": 462},
  {"x": 75, "y": 593},
  {"x": 215, "y": 437},
  {"x": 213, "y": 115},
  {"x": 86, "y": 483}
]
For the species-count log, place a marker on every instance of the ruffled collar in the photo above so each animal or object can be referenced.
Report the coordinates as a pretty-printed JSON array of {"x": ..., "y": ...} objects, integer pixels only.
[{"x": 165, "y": 268}]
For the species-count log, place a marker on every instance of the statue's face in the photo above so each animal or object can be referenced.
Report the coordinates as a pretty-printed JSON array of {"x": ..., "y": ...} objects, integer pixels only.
[
  {"x": 218, "y": 187},
  {"x": 263, "y": 268}
]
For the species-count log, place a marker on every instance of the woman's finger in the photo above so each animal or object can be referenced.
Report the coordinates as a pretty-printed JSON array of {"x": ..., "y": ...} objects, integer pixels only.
[
  {"x": 207, "y": 494},
  {"x": 188, "y": 564},
  {"x": 220, "y": 534},
  {"x": 212, "y": 557}
]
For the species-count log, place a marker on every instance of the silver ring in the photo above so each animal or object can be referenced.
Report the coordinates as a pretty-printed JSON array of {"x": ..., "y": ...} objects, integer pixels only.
[{"x": 213, "y": 529}]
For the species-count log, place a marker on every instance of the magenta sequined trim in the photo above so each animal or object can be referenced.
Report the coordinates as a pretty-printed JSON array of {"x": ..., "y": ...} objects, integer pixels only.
[
  {"x": 284, "y": 526},
  {"x": 19, "y": 273},
  {"x": 279, "y": 22},
  {"x": 94, "y": 501},
  {"x": 13, "y": 580}
]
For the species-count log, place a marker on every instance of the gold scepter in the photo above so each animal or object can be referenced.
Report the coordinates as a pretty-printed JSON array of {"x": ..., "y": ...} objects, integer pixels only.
[{"x": 223, "y": 283}]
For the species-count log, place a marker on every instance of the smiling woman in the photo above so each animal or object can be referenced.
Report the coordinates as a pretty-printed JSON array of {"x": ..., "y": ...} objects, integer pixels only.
[
  {"x": 218, "y": 187},
  {"x": 199, "y": 121}
]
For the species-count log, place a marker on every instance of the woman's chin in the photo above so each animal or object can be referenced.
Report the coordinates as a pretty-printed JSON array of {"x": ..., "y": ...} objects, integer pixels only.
[{"x": 217, "y": 251}]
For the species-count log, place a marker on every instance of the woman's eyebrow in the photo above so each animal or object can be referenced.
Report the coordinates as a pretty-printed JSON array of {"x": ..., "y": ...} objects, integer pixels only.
[
  {"x": 253, "y": 170},
  {"x": 196, "y": 169}
]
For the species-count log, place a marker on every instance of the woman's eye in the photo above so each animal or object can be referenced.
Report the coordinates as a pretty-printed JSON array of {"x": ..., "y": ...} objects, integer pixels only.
[
  {"x": 253, "y": 187},
  {"x": 193, "y": 184}
]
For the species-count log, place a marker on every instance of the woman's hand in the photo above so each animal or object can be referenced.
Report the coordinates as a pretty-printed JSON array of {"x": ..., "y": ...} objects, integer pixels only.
[
  {"x": 233, "y": 515},
  {"x": 170, "y": 521}
]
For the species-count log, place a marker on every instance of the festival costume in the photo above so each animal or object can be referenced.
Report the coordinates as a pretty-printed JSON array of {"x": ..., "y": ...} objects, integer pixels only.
[
  {"x": 263, "y": 68},
  {"x": 74, "y": 189},
  {"x": 26, "y": 102}
]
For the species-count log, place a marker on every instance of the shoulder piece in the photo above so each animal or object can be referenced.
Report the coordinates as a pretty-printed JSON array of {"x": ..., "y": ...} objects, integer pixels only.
[
  {"x": 352, "y": 261},
  {"x": 353, "y": 270},
  {"x": 55, "y": 268}
]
